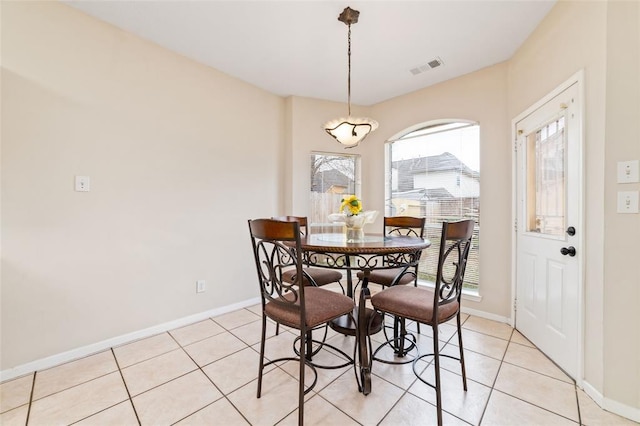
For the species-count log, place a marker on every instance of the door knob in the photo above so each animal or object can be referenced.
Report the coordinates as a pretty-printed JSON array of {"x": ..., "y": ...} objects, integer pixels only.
[{"x": 571, "y": 251}]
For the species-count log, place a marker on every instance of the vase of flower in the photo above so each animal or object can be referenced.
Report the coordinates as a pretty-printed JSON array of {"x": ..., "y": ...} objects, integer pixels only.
[
  {"x": 354, "y": 221},
  {"x": 354, "y": 228}
]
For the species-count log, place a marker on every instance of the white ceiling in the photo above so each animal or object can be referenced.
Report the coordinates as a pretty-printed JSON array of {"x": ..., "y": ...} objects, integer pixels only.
[{"x": 300, "y": 48}]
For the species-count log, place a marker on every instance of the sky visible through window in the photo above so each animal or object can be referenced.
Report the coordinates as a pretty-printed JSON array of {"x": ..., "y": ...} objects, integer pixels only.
[{"x": 464, "y": 143}]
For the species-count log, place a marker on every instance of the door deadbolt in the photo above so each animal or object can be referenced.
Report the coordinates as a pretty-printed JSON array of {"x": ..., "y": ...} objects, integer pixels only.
[{"x": 571, "y": 231}]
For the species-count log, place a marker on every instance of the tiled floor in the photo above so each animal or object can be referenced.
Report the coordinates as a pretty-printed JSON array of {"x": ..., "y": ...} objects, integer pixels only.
[{"x": 206, "y": 373}]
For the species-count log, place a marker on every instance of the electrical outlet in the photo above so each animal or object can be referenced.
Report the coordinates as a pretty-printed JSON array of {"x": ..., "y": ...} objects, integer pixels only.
[{"x": 201, "y": 286}]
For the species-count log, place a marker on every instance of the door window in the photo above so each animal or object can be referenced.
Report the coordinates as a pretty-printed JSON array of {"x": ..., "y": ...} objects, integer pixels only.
[{"x": 545, "y": 179}]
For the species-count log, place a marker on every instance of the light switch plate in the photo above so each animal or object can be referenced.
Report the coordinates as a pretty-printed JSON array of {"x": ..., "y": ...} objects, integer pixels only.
[
  {"x": 83, "y": 183},
  {"x": 628, "y": 202},
  {"x": 629, "y": 171}
]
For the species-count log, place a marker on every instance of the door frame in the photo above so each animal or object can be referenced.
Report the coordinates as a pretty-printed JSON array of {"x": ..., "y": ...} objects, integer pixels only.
[{"x": 577, "y": 78}]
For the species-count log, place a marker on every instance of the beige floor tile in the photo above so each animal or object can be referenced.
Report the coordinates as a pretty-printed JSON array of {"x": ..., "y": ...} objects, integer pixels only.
[
  {"x": 144, "y": 349},
  {"x": 73, "y": 373},
  {"x": 119, "y": 415},
  {"x": 252, "y": 333},
  {"x": 16, "y": 392},
  {"x": 279, "y": 346},
  {"x": 445, "y": 331},
  {"x": 256, "y": 309},
  {"x": 237, "y": 318},
  {"x": 235, "y": 370},
  {"x": 481, "y": 368},
  {"x": 504, "y": 410},
  {"x": 345, "y": 343},
  {"x": 533, "y": 359},
  {"x": 486, "y": 326},
  {"x": 468, "y": 405},
  {"x": 366, "y": 409},
  {"x": 401, "y": 375},
  {"x": 153, "y": 372},
  {"x": 554, "y": 395},
  {"x": 278, "y": 399},
  {"x": 195, "y": 332},
  {"x": 15, "y": 417},
  {"x": 175, "y": 400},
  {"x": 318, "y": 411},
  {"x": 482, "y": 343},
  {"x": 424, "y": 344},
  {"x": 79, "y": 402},
  {"x": 517, "y": 337},
  {"x": 325, "y": 376},
  {"x": 592, "y": 415},
  {"x": 220, "y": 412},
  {"x": 413, "y": 411},
  {"x": 216, "y": 347}
]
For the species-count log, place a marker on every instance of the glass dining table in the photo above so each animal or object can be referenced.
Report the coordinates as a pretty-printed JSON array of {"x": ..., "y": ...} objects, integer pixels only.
[{"x": 371, "y": 252}]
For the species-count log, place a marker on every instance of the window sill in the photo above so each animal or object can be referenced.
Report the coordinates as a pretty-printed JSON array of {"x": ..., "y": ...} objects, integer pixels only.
[{"x": 472, "y": 295}]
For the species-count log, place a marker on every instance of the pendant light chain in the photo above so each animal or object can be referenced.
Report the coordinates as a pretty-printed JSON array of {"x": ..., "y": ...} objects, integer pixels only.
[{"x": 349, "y": 73}]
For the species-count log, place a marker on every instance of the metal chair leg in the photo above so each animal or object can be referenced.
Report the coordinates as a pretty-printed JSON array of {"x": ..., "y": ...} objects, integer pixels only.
[
  {"x": 436, "y": 360},
  {"x": 303, "y": 335},
  {"x": 261, "y": 364},
  {"x": 462, "y": 367}
]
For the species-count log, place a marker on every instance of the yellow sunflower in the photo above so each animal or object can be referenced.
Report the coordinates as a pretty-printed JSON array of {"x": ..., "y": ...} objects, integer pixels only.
[{"x": 351, "y": 205}]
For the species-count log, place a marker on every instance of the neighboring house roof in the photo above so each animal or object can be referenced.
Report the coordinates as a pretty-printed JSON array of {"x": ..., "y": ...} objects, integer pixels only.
[
  {"x": 328, "y": 180},
  {"x": 436, "y": 163},
  {"x": 423, "y": 194}
]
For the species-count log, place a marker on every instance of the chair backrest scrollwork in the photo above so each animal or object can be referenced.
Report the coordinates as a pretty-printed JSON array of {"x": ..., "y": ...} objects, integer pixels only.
[
  {"x": 404, "y": 225},
  {"x": 276, "y": 249},
  {"x": 455, "y": 244}
]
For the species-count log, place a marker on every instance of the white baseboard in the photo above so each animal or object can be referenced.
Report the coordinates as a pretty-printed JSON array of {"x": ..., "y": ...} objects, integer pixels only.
[
  {"x": 610, "y": 405},
  {"x": 84, "y": 351},
  {"x": 485, "y": 315}
]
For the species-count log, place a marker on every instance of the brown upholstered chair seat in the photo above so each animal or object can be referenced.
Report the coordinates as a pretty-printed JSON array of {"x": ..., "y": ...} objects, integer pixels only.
[
  {"x": 321, "y": 276},
  {"x": 413, "y": 303},
  {"x": 385, "y": 277},
  {"x": 321, "y": 306}
]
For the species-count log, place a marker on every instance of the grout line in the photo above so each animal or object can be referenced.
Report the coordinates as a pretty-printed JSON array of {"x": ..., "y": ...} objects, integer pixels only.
[
  {"x": 224, "y": 395},
  {"x": 126, "y": 387},
  {"x": 33, "y": 387},
  {"x": 492, "y": 388},
  {"x": 578, "y": 404}
]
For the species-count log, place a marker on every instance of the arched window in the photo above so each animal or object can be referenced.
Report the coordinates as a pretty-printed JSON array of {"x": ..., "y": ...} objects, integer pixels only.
[{"x": 434, "y": 172}]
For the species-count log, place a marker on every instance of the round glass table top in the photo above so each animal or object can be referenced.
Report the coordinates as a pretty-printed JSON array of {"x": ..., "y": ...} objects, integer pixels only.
[{"x": 368, "y": 244}]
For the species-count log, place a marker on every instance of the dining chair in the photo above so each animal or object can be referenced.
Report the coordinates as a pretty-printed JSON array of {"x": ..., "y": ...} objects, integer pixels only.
[
  {"x": 277, "y": 250},
  {"x": 312, "y": 276},
  {"x": 398, "y": 226},
  {"x": 438, "y": 305}
]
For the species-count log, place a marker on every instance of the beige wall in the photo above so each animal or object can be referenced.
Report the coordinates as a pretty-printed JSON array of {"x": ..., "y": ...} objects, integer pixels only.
[
  {"x": 622, "y": 232},
  {"x": 179, "y": 155}
]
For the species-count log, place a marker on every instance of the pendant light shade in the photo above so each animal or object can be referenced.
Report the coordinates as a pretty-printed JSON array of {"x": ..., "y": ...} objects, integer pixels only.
[{"x": 350, "y": 131}]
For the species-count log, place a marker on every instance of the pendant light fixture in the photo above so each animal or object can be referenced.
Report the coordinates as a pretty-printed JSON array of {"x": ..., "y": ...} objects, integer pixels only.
[{"x": 350, "y": 131}]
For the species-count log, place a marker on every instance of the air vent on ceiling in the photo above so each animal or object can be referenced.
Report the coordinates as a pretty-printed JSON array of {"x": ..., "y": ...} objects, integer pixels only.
[{"x": 434, "y": 63}]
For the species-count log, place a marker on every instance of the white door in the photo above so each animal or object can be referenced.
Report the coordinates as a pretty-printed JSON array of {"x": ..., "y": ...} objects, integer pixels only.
[{"x": 549, "y": 228}]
